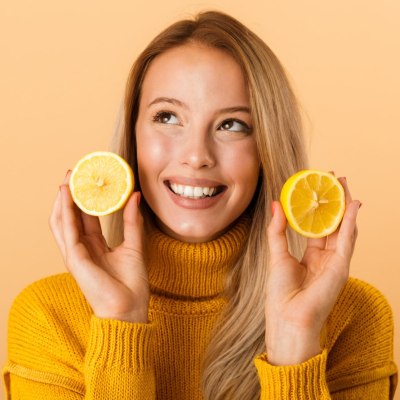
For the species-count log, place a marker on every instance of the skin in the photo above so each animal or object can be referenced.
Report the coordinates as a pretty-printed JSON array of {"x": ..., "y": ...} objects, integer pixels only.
[
  {"x": 196, "y": 140},
  {"x": 192, "y": 142}
]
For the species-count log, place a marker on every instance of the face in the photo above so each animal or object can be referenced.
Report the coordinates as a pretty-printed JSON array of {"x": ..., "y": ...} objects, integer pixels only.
[{"x": 196, "y": 150}]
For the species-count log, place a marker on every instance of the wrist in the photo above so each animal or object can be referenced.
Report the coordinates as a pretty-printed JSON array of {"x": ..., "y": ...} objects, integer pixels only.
[
  {"x": 134, "y": 316},
  {"x": 289, "y": 345}
]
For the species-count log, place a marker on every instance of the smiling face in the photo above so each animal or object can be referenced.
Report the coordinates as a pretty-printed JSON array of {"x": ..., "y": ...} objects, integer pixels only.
[{"x": 196, "y": 151}]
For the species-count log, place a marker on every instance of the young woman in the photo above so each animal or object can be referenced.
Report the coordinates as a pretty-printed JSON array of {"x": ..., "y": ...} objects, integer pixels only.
[{"x": 198, "y": 293}]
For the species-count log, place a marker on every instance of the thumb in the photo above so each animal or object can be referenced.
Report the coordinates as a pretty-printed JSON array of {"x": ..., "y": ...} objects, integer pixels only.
[
  {"x": 277, "y": 240},
  {"x": 133, "y": 223}
]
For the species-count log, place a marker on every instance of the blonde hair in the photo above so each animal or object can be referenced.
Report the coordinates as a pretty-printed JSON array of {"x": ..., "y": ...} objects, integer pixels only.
[{"x": 228, "y": 369}]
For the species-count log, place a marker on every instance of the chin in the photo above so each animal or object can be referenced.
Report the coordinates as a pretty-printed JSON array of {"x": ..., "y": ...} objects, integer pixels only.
[{"x": 191, "y": 232}]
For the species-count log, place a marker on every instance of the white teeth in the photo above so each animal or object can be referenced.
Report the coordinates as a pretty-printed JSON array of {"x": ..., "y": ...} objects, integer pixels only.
[
  {"x": 195, "y": 192},
  {"x": 188, "y": 191},
  {"x": 198, "y": 191}
]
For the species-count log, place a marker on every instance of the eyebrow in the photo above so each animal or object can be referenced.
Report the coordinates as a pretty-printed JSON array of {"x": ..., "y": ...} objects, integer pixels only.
[
  {"x": 168, "y": 100},
  {"x": 235, "y": 109},
  {"x": 177, "y": 102}
]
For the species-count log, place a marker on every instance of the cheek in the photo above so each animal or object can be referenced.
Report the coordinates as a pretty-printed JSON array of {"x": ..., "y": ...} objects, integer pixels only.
[
  {"x": 244, "y": 168},
  {"x": 152, "y": 153}
]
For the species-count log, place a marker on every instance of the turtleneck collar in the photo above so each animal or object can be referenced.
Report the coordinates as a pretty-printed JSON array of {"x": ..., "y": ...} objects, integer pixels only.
[{"x": 193, "y": 270}]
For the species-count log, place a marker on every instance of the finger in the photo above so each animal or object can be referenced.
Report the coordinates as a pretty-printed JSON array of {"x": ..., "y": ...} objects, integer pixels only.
[
  {"x": 55, "y": 224},
  {"x": 91, "y": 224},
  {"x": 332, "y": 239},
  {"x": 96, "y": 243},
  {"x": 277, "y": 240},
  {"x": 348, "y": 230},
  {"x": 347, "y": 193},
  {"x": 71, "y": 224},
  {"x": 133, "y": 223},
  {"x": 55, "y": 216},
  {"x": 77, "y": 211},
  {"x": 67, "y": 177},
  {"x": 319, "y": 243},
  {"x": 55, "y": 220}
]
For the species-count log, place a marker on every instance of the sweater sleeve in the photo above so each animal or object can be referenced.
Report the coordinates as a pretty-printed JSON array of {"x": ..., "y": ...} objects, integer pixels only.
[
  {"x": 303, "y": 381},
  {"x": 357, "y": 360},
  {"x": 308, "y": 381},
  {"x": 51, "y": 355},
  {"x": 118, "y": 362}
]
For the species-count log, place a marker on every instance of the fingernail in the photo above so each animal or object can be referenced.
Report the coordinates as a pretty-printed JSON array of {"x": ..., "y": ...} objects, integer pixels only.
[
  {"x": 138, "y": 198},
  {"x": 360, "y": 205},
  {"x": 67, "y": 172}
]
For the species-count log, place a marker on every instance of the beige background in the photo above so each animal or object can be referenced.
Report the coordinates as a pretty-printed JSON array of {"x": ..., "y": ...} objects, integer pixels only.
[{"x": 62, "y": 73}]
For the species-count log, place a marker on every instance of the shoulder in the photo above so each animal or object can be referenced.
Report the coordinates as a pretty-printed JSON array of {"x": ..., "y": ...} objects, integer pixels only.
[
  {"x": 54, "y": 293},
  {"x": 361, "y": 307},
  {"x": 46, "y": 284},
  {"x": 48, "y": 314},
  {"x": 359, "y": 334}
]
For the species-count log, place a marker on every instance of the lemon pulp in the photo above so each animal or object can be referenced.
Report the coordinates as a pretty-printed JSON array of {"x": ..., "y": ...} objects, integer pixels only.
[
  {"x": 314, "y": 202},
  {"x": 101, "y": 183}
]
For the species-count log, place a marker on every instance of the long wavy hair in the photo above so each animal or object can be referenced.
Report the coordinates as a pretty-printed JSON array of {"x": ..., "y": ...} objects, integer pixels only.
[{"x": 239, "y": 336}]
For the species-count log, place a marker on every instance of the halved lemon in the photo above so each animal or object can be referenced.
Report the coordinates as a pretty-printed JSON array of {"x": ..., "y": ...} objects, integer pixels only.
[
  {"x": 314, "y": 202},
  {"x": 101, "y": 183}
]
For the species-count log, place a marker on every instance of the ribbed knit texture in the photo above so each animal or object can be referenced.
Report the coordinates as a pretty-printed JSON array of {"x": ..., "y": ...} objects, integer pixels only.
[
  {"x": 57, "y": 349},
  {"x": 192, "y": 270},
  {"x": 306, "y": 380}
]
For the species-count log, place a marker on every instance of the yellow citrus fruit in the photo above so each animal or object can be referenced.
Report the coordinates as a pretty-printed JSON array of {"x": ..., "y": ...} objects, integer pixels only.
[
  {"x": 101, "y": 183},
  {"x": 314, "y": 203}
]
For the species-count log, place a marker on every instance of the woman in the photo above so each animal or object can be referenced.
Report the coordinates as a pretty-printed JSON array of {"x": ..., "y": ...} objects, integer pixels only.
[{"x": 201, "y": 294}]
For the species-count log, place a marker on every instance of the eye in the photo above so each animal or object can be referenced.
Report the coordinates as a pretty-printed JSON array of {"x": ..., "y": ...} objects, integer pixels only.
[
  {"x": 234, "y": 125},
  {"x": 165, "y": 117}
]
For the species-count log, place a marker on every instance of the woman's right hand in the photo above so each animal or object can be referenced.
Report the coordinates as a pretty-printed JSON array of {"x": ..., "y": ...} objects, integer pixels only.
[{"x": 114, "y": 281}]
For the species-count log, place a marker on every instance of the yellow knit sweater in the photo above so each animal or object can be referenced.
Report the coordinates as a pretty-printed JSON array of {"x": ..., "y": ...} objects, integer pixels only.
[{"x": 57, "y": 348}]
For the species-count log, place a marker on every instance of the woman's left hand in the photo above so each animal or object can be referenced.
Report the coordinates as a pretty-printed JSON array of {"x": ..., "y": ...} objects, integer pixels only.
[{"x": 301, "y": 295}]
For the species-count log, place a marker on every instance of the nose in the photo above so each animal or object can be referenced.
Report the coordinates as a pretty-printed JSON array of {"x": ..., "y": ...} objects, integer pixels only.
[{"x": 198, "y": 150}]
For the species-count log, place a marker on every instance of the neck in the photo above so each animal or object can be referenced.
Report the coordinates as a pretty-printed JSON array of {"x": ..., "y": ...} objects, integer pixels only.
[{"x": 193, "y": 270}]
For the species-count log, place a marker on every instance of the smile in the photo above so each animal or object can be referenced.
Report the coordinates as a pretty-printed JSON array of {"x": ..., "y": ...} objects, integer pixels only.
[{"x": 194, "y": 192}]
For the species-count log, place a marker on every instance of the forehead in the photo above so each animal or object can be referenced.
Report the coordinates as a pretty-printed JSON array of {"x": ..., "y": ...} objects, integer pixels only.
[{"x": 194, "y": 71}]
